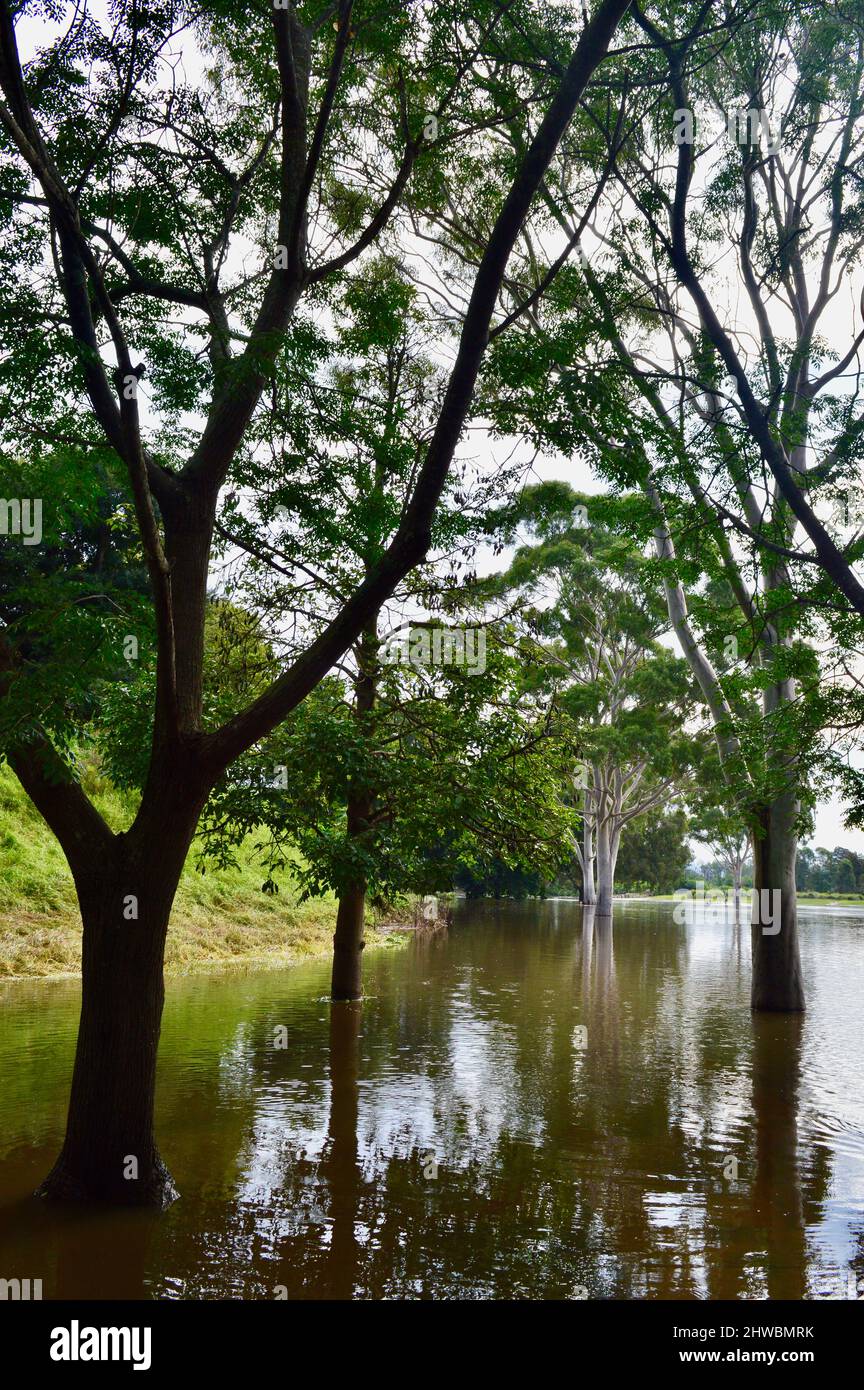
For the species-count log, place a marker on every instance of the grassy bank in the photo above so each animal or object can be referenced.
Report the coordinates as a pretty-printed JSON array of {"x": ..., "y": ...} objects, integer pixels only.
[{"x": 220, "y": 918}]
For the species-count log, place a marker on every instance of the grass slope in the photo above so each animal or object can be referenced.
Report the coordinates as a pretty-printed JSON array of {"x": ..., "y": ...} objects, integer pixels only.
[{"x": 220, "y": 917}]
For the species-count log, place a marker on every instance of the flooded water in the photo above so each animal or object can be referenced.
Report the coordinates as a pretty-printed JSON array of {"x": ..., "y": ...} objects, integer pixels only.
[{"x": 522, "y": 1107}]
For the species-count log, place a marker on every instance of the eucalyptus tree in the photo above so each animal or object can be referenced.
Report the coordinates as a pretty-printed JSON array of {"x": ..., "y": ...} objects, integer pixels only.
[
  {"x": 592, "y": 610},
  {"x": 161, "y": 233},
  {"x": 734, "y": 226},
  {"x": 780, "y": 190},
  {"x": 745, "y": 641},
  {"x": 654, "y": 851},
  {"x": 630, "y": 359},
  {"x": 729, "y": 840}
]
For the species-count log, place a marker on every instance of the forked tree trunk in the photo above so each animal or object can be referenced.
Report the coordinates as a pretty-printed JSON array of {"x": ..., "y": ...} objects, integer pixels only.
[
  {"x": 607, "y": 856},
  {"x": 348, "y": 943},
  {"x": 777, "y": 983},
  {"x": 109, "y": 1152}
]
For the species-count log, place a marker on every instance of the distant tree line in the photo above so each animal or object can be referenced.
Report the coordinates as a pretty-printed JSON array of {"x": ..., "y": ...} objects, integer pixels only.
[{"x": 829, "y": 870}]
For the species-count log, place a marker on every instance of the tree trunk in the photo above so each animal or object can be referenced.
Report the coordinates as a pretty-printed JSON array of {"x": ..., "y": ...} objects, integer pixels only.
[
  {"x": 589, "y": 892},
  {"x": 607, "y": 854},
  {"x": 125, "y": 892},
  {"x": 109, "y": 1153},
  {"x": 777, "y": 980},
  {"x": 348, "y": 943}
]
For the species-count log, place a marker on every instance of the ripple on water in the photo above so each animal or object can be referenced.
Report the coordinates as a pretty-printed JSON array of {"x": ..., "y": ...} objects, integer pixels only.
[{"x": 519, "y": 1109}]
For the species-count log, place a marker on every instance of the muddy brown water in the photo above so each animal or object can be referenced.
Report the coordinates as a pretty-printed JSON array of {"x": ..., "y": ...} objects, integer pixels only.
[{"x": 523, "y": 1107}]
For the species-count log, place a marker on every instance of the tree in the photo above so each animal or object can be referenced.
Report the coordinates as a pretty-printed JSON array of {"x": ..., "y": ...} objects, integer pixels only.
[
  {"x": 654, "y": 853},
  {"x": 499, "y": 880},
  {"x": 729, "y": 840},
  {"x": 793, "y": 199},
  {"x": 845, "y": 877},
  {"x": 127, "y": 204},
  {"x": 430, "y": 719},
  {"x": 740, "y": 379},
  {"x": 643, "y": 383},
  {"x": 593, "y": 614},
  {"x": 458, "y": 772}
]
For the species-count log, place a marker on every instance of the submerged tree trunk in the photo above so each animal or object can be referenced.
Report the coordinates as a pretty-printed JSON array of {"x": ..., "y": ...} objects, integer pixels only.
[
  {"x": 109, "y": 1151},
  {"x": 589, "y": 892},
  {"x": 777, "y": 979},
  {"x": 607, "y": 856},
  {"x": 347, "y": 978}
]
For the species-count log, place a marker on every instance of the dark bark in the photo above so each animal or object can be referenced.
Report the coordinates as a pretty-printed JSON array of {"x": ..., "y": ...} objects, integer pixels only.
[
  {"x": 339, "y": 1165},
  {"x": 109, "y": 1131},
  {"x": 777, "y": 982},
  {"x": 348, "y": 944},
  {"x": 109, "y": 1152}
]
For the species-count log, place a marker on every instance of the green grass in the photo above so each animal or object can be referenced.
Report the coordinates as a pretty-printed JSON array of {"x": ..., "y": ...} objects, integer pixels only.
[{"x": 220, "y": 917}]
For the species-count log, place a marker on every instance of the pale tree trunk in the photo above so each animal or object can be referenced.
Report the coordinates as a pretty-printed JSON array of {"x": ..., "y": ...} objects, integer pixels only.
[
  {"x": 776, "y": 979},
  {"x": 696, "y": 657},
  {"x": 608, "y": 839},
  {"x": 734, "y": 853},
  {"x": 776, "y": 963},
  {"x": 589, "y": 892}
]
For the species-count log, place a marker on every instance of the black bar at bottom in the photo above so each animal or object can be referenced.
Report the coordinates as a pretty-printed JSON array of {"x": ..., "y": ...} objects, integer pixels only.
[{"x": 273, "y": 1338}]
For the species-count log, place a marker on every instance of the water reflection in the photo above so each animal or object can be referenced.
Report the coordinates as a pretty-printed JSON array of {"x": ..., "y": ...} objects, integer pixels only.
[
  {"x": 535, "y": 1105},
  {"x": 339, "y": 1168},
  {"x": 776, "y": 1206}
]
